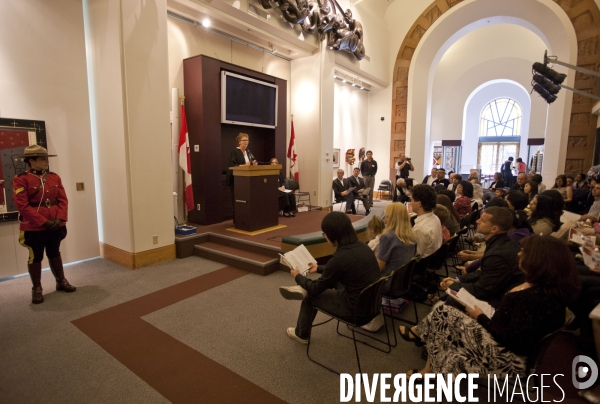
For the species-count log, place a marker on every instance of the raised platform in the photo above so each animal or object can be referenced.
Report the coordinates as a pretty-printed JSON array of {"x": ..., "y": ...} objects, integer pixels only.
[{"x": 260, "y": 253}]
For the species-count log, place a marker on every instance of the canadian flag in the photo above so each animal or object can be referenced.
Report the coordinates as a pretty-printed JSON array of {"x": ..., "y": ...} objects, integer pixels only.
[
  {"x": 292, "y": 155},
  {"x": 184, "y": 161}
]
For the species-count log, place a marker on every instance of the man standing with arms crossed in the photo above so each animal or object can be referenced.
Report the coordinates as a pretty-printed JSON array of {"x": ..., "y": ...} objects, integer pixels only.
[{"x": 368, "y": 169}]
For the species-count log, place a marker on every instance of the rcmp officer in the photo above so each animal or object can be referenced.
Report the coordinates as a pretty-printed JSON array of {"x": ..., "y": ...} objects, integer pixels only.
[{"x": 42, "y": 204}]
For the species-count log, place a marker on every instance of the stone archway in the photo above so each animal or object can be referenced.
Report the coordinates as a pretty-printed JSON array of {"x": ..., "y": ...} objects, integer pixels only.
[{"x": 585, "y": 17}]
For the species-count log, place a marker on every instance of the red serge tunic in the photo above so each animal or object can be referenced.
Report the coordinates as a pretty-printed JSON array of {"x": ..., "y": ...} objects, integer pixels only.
[{"x": 37, "y": 205}]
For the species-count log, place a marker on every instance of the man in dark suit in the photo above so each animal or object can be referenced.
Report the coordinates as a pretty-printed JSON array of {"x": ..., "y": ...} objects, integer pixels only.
[
  {"x": 359, "y": 186},
  {"x": 340, "y": 188},
  {"x": 500, "y": 263}
]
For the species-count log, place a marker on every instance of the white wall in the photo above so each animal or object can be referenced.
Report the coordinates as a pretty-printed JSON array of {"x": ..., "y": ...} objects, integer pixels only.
[
  {"x": 43, "y": 77},
  {"x": 501, "y": 51},
  {"x": 351, "y": 106},
  {"x": 472, "y": 117}
]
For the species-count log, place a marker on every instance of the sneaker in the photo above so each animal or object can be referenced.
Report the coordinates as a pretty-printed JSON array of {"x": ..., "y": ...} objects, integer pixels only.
[
  {"x": 291, "y": 332},
  {"x": 375, "y": 324},
  {"x": 296, "y": 292}
]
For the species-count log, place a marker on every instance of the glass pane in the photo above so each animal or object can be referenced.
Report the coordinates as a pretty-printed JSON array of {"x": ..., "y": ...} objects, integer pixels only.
[
  {"x": 491, "y": 156},
  {"x": 501, "y": 117}
]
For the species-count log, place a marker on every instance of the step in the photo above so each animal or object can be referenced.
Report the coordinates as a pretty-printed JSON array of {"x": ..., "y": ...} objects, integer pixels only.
[{"x": 254, "y": 262}]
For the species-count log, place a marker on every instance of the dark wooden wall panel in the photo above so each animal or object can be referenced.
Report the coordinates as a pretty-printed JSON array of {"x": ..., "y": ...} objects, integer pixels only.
[{"x": 202, "y": 87}]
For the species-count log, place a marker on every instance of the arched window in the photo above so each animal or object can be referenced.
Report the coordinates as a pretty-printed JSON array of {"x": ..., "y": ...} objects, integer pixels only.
[{"x": 501, "y": 117}]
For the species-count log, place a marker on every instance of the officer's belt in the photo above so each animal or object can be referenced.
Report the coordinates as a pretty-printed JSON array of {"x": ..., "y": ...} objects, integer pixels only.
[{"x": 47, "y": 203}]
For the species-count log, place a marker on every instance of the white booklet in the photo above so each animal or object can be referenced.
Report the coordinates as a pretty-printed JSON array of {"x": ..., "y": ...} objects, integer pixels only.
[
  {"x": 299, "y": 257},
  {"x": 468, "y": 300}
]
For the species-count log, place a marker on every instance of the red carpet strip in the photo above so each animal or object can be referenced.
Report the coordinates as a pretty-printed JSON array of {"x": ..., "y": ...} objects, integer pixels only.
[{"x": 178, "y": 372}]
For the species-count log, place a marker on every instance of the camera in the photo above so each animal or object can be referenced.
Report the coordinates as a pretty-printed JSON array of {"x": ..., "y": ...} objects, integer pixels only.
[{"x": 408, "y": 158}]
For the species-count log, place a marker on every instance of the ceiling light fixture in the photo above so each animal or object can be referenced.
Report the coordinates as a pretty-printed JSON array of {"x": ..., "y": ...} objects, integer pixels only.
[{"x": 206, "y": 22}]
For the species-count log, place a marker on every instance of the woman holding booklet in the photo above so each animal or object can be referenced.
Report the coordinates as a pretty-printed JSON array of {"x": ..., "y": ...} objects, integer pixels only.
[{"x": 472, "y": 342}]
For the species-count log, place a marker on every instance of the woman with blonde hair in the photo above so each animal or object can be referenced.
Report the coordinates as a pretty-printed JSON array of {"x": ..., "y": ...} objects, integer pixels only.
[
  {"x": 374, "y": 230},
  {"x": 396, "y": 247},
  {"x": 397, "y": 243}
]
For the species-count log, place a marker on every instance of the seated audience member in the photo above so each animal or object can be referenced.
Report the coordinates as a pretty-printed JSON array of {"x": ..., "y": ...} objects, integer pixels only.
[
  {"x": 427, "y": 228},
  {"x": 557, "y": 202},
  {"x": 397, "y": 243},
  {"x": 580, "y": 181},
  {"x": 570, "y": 181},
  {"x": 401, "y": 193},
  {"x": 470, "y": 342},
  {"x": 340, "y": 189},
  {"x": 359, "y": 187},
  {"x": 451, "y": 195},
  {"x": 499, "y": 267},
  {"x": 582, "y": 200},
  {"x": 498, "y": 182},
  {"x": 374, "y": 230},
  {"x": 456, "y": 179},
  {"x": 477, "y": 197},
  {"x": 352, "y": 268},
  {"x": 464, "y": 194},
  {"x": 544, "y": 219},
  {"x": 475, "y": 256},
  {"x": 560, "y": 185},
  {"x": 520, "y": 185},
  {"x": 430, "y": 178},
  {"x": 594, "y": 211},
  {"x": 442, "y": 213},
  {"x": 530, "y": 189},
  {"x": 499, "y": 193},
  {"x": 396, "y": 247},
  {"x": 516, "y": 200},
  {"x": 453, "y": 221},
  {"x": 441, "y": 178},
  {"x": 538, "y": 178},
  {"x": 287, "y": 200}
]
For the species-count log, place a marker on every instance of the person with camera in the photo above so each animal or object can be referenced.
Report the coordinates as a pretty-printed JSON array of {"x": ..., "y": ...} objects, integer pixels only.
[{"x": 403, "y": 167}]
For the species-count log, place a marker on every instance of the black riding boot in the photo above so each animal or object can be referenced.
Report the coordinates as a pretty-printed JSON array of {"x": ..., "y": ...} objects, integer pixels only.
[
  {"x": 56, "y": 266},
  {"x": 35, "y": 272}
]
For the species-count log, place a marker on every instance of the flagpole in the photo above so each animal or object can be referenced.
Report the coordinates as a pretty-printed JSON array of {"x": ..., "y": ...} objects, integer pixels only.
[{"x": 182, "y": 199}]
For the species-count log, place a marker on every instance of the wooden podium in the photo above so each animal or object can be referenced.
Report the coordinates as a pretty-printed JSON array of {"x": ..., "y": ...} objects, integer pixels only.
[{"x": 255, "y": 197}]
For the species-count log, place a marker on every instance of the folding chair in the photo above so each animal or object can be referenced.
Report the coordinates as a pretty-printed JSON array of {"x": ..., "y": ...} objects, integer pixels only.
[
  {"x": 385, "y": 186},
  {"x": 368, "y": 306}
]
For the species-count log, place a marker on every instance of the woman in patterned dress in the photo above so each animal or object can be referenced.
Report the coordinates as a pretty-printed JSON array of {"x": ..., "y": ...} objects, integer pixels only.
[{"x": 470, "y": 342}]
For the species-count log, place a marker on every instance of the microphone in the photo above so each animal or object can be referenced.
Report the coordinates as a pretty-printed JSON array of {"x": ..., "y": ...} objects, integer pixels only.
[{"x": 250, "y": 156}]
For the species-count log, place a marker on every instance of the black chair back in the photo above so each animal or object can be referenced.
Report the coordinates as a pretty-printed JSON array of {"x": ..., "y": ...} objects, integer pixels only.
[
  {"x": 291, "y": 184},
  {"x": 402, "y": 278},
  {"x": 368, "y": 304},
  {"x": 464, "y": 222}
]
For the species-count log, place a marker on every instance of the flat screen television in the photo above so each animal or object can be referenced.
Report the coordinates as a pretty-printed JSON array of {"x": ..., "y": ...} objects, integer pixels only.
[{"x": 246, "y": 101}]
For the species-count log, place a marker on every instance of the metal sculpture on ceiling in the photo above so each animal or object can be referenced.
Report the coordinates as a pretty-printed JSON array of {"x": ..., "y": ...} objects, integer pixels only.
[{"x": 343, "y": 32}]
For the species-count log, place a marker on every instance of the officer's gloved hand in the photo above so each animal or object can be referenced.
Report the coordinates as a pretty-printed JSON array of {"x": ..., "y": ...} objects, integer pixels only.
[
  {"x": 56, "y": 225},
  {"x": 48, "y": 225}
]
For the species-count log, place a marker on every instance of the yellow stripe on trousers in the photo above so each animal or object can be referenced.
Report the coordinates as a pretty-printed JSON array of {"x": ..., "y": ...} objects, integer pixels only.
[{"x": 22, "y": 242}]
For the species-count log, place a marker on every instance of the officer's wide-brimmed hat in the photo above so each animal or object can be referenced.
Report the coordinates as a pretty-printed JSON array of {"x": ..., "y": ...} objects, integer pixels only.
[{"x": 36, "y": 151}]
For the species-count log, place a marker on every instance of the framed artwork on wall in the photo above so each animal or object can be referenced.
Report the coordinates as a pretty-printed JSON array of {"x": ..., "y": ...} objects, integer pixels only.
[
  {"x": 336, "y": 158},
  {"x": 15, "y": 136}
]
